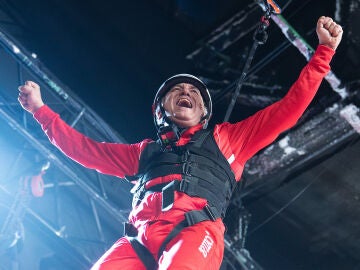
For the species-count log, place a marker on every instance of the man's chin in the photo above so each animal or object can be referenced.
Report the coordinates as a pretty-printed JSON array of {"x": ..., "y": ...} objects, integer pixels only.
[{"x": 183, "y": 123}]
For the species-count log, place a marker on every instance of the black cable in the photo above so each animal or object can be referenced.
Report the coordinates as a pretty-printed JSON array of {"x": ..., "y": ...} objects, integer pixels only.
[
  {"x": 258, "y": 66},
  {"x": 286, "y": 205}
]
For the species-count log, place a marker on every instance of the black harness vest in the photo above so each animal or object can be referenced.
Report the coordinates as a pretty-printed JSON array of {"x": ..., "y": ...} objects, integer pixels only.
[{"x": 205, "y": 172}]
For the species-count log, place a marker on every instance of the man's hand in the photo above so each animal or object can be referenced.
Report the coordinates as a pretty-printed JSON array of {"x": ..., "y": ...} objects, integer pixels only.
[
  {"x": 329, "y": 32},
  {"x": 30, "y": 96}
]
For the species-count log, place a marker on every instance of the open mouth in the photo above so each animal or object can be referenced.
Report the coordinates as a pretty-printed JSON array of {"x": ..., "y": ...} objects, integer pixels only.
[{"x": 184, "y": 102}]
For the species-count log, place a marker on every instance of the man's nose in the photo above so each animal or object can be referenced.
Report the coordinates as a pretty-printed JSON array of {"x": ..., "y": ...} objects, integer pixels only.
[{"x": 186, "y": 91}]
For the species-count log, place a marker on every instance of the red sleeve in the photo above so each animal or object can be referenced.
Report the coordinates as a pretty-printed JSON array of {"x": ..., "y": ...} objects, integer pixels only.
[
  {"x": 240, "y": 141},
  {"x": 109, "y": 158}
]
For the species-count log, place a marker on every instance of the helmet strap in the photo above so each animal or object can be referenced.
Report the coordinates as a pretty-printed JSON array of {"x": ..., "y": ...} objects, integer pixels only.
[
  {"x": 168, "y": 136},
  {"x": 168, "y": 133}
]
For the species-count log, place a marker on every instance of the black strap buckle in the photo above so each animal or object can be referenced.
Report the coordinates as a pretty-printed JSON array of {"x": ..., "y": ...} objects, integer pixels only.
[
  {"x": 130, "y": 230},
  {"x": 186, "y": 169},
  {"x": 185, "y": 156},
  {"x": 168, "y": 196}
]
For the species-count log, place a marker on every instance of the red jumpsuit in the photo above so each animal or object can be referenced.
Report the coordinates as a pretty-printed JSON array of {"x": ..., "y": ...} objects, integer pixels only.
[{"x": 199, "y": 246}]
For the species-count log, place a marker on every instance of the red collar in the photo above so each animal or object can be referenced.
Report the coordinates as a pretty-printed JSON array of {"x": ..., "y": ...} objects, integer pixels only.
[{"x": 187, "y": 134}]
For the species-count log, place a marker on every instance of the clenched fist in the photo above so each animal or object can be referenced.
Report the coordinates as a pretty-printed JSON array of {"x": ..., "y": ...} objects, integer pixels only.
[
  {"x": 30, "y": 96},
  {"x": 329, "y": 32}
]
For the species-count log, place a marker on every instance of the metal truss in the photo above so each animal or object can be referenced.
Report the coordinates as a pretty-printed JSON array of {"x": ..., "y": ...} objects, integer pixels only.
[{"x": 86, "y": 191}]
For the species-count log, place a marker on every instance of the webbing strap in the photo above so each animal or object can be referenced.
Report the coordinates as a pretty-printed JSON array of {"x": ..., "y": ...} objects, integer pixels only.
[
  {"x": 191, "y": 218},
  {"x": 192, "y": 188},
  {"x": 177, "y": 229},
  {"x": 143, "y": 253},
  {"x": 194, "y": 166}
]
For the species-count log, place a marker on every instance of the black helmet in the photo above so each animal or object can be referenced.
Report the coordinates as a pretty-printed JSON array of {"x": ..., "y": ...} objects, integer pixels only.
[{"x": 160, "y": 118}]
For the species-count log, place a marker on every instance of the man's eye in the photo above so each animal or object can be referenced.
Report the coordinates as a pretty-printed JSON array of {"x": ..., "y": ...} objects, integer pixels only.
[{"x": 195, "y": 91}]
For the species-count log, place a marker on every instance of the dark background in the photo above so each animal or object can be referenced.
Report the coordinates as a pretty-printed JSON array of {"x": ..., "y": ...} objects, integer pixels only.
[{"x": 113, "y": 55}]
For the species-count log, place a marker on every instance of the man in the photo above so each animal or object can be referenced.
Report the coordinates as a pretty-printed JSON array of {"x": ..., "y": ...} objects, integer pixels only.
[{"x": 184, "y": 180}]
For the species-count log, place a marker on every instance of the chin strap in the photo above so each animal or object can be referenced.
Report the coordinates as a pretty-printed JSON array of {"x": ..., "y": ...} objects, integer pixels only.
[
  {"x": 167, "y": 132},
  {"x": 168, "y": 135}
]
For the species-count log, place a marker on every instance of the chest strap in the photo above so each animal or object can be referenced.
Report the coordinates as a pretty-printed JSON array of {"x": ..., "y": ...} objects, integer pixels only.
[{"x": 168, "y": 200}]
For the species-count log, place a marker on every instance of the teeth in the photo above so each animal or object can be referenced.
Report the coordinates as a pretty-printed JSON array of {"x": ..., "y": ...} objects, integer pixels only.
[{"x": 184, "y": 103}]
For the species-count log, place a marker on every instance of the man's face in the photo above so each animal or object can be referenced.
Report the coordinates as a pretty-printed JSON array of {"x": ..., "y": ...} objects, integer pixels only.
[{"x": 184, "y": 105}]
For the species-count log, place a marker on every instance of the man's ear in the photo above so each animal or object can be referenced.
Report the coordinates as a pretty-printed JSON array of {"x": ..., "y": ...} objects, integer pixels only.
[{"x": 205, "y": 111}]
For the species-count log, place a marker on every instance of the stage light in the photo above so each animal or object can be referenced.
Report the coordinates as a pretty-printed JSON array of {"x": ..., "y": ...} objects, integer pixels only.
[{"x": 15, "y": 49}]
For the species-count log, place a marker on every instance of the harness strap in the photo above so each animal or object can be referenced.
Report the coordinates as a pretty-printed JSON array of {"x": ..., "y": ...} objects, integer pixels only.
[
  {"x": 189, "y": 186},
  {"x": 192, "y": 167},
  {"x": 177, "y": 229},
  {"x": 143, "y": 253},
  {"x": 191, "y": 218}
]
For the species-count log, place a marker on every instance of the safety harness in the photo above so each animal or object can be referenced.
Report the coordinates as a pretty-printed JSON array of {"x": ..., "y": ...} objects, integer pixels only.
[{"x": 205, "y": 173}]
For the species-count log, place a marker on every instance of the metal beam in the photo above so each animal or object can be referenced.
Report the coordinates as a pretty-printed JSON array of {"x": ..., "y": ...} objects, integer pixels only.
[{"x": 116, "y": 213}]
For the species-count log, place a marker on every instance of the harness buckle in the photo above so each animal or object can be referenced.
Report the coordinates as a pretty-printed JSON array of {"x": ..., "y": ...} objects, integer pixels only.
[
  {"x": 130, "y": 230},
  {"x": 168, "y": 196},
  {"x": 183, "y": 185},
  {"x": 186, "y": 168},
  {"x": 185, "y": 156}
]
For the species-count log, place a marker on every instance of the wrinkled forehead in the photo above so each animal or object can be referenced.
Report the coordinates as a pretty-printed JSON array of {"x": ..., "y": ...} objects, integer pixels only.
[{"x": 183, "y": 86}]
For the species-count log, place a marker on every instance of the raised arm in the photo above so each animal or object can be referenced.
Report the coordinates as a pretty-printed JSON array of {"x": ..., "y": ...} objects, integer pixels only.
[
  {"x": 254, "y": 133},
  {"x": 30, "y": 97},
  {"x": 109, "y": 158}
]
